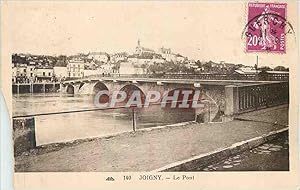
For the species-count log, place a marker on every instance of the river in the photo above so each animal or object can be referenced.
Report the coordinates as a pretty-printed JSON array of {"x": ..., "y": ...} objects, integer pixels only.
[{"x": 71, "y": 126}]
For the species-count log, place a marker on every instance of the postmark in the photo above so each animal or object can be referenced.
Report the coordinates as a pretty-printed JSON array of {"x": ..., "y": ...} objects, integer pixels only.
[{"x": 267, "y": 27}]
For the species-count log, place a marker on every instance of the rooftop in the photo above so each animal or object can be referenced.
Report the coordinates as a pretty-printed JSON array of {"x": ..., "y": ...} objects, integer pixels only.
[
  {"x": 146, "y": 56},
  {"x": 98, "y": 53}
]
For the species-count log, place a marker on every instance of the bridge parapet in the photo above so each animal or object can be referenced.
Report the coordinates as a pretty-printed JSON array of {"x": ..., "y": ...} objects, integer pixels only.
[
  {"x": 240, "y": 99},
  {"x": 263, "y": 76}
]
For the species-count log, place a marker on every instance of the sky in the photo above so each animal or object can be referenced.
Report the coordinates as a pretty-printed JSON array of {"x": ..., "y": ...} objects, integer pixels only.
[{"x": 199, "y": 30}]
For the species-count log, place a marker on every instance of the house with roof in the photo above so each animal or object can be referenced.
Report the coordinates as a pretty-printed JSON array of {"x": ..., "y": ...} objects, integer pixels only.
[
  {"x": 145, "y": 58},
  {"x": 247, "y": 71},
  {"x": 19, "y": 72},
  {"x": 117, "y": 57},
  {"x": 139, "y": 50},
  {"x": 75, "y": 69},
  {"x": 44, "y": 73},
  {"x": 99, "y": 56},
  {"x": 168, "y": 55}
]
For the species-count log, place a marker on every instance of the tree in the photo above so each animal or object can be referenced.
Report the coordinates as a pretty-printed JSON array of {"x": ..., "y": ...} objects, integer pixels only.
[
  {"x": 265, "y": 68},
  {"x": 198, "y": 63},
  {"x": 280, "y": 68}
]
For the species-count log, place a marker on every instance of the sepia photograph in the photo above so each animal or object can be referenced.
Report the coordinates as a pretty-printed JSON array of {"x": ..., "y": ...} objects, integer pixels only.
[
  {"x": 145, "y": 109},
  {"x": 192, "y": 87}
]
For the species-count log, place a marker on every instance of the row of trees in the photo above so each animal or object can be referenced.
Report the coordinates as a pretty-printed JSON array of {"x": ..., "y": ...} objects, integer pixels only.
[
  {"x": 201, "y": 67},
  {"x": 61, "y": 60},
  {"x": 198, "y": 67},
  {"x": 169, "y": 67},
  {"x": 278, "y": 68}
]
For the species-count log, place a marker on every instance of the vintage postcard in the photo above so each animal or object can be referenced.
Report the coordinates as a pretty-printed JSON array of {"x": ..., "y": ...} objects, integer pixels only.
[{"x": 151, "y": 94}]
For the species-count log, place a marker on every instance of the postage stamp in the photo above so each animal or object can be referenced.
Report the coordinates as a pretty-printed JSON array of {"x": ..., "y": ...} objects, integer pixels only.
[{"x": 266, "y": 27}]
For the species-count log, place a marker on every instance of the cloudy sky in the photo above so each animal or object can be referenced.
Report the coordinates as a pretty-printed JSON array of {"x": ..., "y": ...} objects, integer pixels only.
[{"x": 199, "y": 30}]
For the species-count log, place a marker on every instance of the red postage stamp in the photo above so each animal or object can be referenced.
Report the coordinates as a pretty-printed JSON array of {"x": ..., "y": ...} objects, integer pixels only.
[{"x": 266, "y": 27}]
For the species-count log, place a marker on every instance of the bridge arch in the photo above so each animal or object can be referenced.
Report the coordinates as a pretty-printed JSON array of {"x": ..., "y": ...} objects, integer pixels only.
[
  {"x": 70, "y": 89},
  {"x": 129, "y": 89},
  {"x": 80, "y": 85},
  {"x": 216, "y": 102},
  {"x": 99, "y": 86},
  {"x": 211, "y": 105}
]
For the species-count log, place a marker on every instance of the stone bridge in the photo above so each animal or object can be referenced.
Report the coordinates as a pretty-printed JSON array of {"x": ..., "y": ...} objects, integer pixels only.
[{"x": 212, "y": 92}]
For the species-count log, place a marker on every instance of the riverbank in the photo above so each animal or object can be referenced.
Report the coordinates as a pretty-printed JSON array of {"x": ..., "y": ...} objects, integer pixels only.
[
  {"x": 271, "y": 156},
  {"x": 149, "y": 150}
]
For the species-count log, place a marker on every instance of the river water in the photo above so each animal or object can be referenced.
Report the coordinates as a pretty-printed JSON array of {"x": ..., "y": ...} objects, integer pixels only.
[{"x": 71, "y": 126}]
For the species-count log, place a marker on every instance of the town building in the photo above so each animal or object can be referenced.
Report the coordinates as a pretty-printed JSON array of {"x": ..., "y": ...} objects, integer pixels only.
[
  {"x": 179, "y": 58},
  {"x": 167, "y": 54},
  {"x": 31, "y": 71},
  {"x": 146, "y": 58},
  {"x": 75, "y": 69},
  {"x": 91, "y": 72},
  {"x": 44, "y": 74},
  {"x": 139, "y": 50},
  {"x": 106, "y": 69},
  {"x": 130, "y": 68},
  {"x": 192, "y": 64},
  {"x": 19, "y": 73},
  {"x": 14, "y": 74},
  {"x": 247, "y": 70},
  {"x": 60, "y": 72},
  {"x": 119, "y": 57},
  {"x": 99, "y": 56}
]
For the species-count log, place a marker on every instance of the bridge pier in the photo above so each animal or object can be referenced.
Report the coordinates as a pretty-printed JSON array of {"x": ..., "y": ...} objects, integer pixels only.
[
  {"x": 60, "y": 88},
  {"x": 44, "y": 88},
  {"x": 31, "y": 88},
  {"x": 231, "y": 102},
  {"x": 18, "y": 89}
]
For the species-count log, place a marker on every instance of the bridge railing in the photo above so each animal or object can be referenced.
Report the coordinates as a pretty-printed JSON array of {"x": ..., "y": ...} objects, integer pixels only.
[
  {"x": 209, "y": 76},
  {"x": 240, "y": 99},
  {"x": 202, "y": 76},
  {"x": 277, "y": 77}
]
